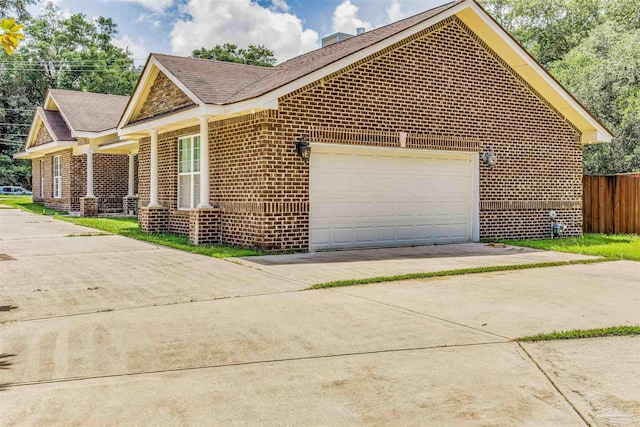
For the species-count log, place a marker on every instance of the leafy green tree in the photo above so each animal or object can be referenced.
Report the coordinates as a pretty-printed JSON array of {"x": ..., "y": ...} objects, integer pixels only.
[
  {"x": 61, "y": 53},
  {"x": 548, "y": 29},
  {"x": 253, "y": 55},
  {"x": 16, "y": 8},
  {"x": 604, "y": 73}
]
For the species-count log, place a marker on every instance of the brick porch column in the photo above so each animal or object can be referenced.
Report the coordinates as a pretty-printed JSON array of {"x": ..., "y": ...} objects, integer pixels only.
[
  {"x": 204, "y": 162},
  {"x": 153, "y": 196}
]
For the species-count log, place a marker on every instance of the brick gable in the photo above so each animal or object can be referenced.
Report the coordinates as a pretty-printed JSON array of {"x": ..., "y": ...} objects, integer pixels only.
[
  {"x": 43, "y": 136},
  {"x": 164, "y": 97}
]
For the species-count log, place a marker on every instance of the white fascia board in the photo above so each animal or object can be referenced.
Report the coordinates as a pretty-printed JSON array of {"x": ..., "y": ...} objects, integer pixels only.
[
  {"x": 120, "y": 147},
  {"x": 93, "y": 135},
  {"x": 49, "y": 100},
  {"x": 49, "y": 147},
  {"x": 163, "y": 122},
  {"x": 32, "y": 130},
  {"x": 602, "y": 134},
  {"x": 141, "y": 89},
  {"x": 23, "y": 155}
]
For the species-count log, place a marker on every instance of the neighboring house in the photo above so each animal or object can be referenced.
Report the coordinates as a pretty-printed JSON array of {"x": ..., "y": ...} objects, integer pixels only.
[
  {"x": 438, "y": 128},
  {"x": 70, "y": 169}
]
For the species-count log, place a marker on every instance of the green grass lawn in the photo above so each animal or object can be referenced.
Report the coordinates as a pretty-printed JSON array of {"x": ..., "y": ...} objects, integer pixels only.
[
  {"x": 613, "y": 331},
  {"x": 128, "y": 226},
  {"x": 25, "y": 203},
  {"x": 610, "y": 246}
]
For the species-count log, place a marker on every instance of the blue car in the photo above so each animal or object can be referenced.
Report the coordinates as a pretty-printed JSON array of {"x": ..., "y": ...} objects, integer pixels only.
[{"x": 13, "y": 190}]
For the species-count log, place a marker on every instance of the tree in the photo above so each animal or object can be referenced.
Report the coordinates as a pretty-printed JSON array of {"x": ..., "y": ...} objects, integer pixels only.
[
  {"x": 253, "y": 55},
  {"x": 61, "y": 53},
  {"x": 604, "y": 73},
  {"x": 548, "y": 29}
]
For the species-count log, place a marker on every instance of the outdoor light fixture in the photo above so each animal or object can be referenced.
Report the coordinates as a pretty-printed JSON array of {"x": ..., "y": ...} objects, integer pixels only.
[
  {"x": 303, "y": 148},
  {"x": 490, "y": 158}
]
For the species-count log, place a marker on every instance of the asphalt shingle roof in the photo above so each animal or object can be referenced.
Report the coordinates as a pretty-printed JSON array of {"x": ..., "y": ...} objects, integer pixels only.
[
  {"x": 89, "y": 112},
  {"x": 61, "y": 131},
  {"x": 217, "y": 82}
]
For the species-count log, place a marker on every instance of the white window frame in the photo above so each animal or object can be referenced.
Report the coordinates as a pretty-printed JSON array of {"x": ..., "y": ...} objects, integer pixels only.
[
  {"x": 42, "y": 178},
  {"x": 57, "y": 179},
  {"x": 194, "y": 171}
]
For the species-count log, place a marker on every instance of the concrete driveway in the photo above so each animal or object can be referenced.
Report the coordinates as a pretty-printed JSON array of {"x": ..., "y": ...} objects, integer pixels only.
[{"x": 103, "y": 330}]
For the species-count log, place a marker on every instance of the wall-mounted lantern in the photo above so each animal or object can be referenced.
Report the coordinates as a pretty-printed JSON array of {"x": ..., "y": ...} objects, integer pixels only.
[
  {"x": 490, "y": 158},
  {"x": 303, "y": 148}
]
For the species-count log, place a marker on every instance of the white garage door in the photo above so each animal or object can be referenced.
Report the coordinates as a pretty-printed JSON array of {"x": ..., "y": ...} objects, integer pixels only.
[{"x": 373, "y": 197}]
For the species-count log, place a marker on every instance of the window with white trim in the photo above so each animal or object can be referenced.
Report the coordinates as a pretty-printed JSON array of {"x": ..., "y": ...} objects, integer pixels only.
[
  {"x": 41, "y": 178},
  {"x": 57, "y": 177},
  {"x": 188, "y": 172}
]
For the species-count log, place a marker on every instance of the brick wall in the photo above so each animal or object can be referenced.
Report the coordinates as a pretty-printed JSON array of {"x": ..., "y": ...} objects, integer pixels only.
[
  {"x": 164, "y": 97},
  {"x": 64, "y": 202},
  {"x": 449, "y": 85},
  {"x": 43, "y": 136},
  {"x": 443, "y": 87},
  {"x": 110, "y": 180}
]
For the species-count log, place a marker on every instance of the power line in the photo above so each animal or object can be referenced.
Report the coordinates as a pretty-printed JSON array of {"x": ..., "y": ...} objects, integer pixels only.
[
  {"x": 15, "y": 134},
  {"x": 14, "y": 124}
]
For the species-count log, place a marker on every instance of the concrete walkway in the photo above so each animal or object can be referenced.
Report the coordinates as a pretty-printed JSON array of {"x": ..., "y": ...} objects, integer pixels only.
[
  {"x": 143, "y": 335},
  {"x": 321, "y": 267}
]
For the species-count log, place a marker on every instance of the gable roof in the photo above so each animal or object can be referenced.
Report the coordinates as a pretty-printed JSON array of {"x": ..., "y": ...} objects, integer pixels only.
[
  {"x": 87, "y": 111},
  {"x": 56, "y": 125},
  {"x": 225, "y": 88},
  {"x": 212, "y": 82}
]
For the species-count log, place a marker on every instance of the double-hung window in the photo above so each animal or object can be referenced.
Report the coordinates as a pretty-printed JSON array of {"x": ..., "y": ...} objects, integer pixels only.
[
  {"x": 57, "y": 178},
  {"x": 41, "y": 178},
  {"x": 188, "y": 172}
]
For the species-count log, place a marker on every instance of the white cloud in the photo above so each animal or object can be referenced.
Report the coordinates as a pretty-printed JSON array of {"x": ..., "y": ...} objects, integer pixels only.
[
  {"x": 345, "y": 18},
  {"x": 279, "y": 6},
  {"x": 393, "y": 11},
  {"x": 241, "y": 22},
  {"x": 152, "y": 18},
  {"x": 136, "y": 47},
  {"x": 157, "y": 6}
]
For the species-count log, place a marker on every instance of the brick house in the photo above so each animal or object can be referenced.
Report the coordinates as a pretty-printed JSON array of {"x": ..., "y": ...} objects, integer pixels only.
[
  {"x": 70, "y": 169},
  {"x": 437, "y": 128}
]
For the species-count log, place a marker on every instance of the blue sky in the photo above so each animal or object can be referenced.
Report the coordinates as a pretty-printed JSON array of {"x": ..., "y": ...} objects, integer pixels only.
[{"x": 289, "y": 27}]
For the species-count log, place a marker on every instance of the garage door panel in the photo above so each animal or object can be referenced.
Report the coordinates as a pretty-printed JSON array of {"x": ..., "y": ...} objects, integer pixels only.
[{"x": 363, "y": 197}]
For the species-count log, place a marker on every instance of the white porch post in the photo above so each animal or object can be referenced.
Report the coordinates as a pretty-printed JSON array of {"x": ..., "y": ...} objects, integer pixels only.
[
  {"x": 153, "y": 196},
  {"x": 204, "y": 162},
  {"x": 90, "y": 152},
  {"x": 132, "y": 172}
]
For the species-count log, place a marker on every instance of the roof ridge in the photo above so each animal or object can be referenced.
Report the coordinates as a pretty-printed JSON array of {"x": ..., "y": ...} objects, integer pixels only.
[
  {"x": 191, "y": 58},
  {"x": 352, "y": 39},
  {"x": 86, "y": 92}
]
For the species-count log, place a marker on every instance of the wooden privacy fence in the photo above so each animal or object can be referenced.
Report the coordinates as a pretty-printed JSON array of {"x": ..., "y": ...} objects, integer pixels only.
[{"x": 611, "y": 204}]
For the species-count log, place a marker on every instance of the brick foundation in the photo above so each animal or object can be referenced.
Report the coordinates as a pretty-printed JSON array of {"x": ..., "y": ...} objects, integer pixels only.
[
  {"x": 204, "y": 226},
  {"x": 89, "y": 206},
  {"x": 153, "y": 220},
  {"x": 130, "y": 205}
]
